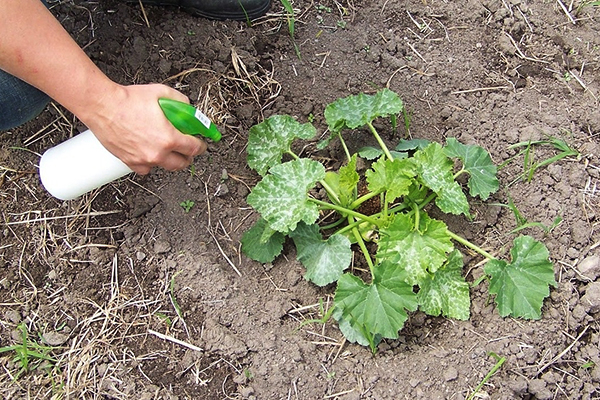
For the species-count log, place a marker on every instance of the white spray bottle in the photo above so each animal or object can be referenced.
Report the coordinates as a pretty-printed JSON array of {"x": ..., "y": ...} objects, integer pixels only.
[{"x": 82, "y": 164}]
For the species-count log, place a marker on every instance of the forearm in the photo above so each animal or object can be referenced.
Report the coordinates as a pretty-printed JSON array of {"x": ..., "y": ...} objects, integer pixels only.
[
  {"x": 126, "y": 119},
  {"x": 36, "y": 48}
]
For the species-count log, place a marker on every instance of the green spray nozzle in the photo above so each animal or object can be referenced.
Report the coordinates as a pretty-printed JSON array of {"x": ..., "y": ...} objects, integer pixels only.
[{"x": 188, "y": 119}]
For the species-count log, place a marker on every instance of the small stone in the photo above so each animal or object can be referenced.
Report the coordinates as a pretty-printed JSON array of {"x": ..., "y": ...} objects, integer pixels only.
[
  {"x": 246, "y": 391},
  {"x": 140, "y": 255},
  {"x": 450, "y": 374},
  {"x": 539, "y": 389},
  {"x": 518, "y": 386},
  {"x": 222, "y": 190},
  {"x": 13, "y": 316},
  {"x": 54, "y": 338},
  {"x": 589, "y": 267},
  {"x": 591, "y": 298},
  {"x": 162, "y": 246}
]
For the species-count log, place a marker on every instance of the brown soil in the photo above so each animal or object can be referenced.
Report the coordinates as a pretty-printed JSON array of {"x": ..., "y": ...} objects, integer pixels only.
[{"x": 98, "y": 276}]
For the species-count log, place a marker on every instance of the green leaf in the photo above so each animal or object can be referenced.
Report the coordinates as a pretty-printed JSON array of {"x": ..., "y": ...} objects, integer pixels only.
[
  {"x": 393, "y": 177},
  {"x": 478, "y": 163},
  {"x": 350, "y": 333},
  {"x": 325, "y": 260},
  {"x": 521, "y": 286},
  {"x": 446, "y": 291},
  {"x": 418, "y": 251},
  {"x": 269, "y": 140},
  {"x": 413, "y": 144},
  {"x": 344, "y": 182},
  {"x": 370, "y": 152},
  {"x": 379, "y": 308},
  {"x": 435, "y": 171},
  {"x": 261, "y": 243},
  {"x": 281, "y": 197},
  {"x": 355, "y": 111}
]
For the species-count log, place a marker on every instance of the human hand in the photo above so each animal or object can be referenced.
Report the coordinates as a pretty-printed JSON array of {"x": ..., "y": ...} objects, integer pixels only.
[{"x": 131, "y": 125}]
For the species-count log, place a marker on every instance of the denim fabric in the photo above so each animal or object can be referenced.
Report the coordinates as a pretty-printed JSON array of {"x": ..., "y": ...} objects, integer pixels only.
[{"x": 19, "y": 101}]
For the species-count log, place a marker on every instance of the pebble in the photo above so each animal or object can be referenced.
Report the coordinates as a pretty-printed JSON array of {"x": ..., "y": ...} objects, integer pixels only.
[
  {"x": 591, "y": 298},
  {"x": 54, "y": 338},
  {"x": 450, "y": 374},
  {"x": 162, "y": 246},
  {"x": 246, "y": 391},
  {"x": 13, "y": 316},
  {"x": 589, "y": 267},
  {"x": 539, "y": 389}
]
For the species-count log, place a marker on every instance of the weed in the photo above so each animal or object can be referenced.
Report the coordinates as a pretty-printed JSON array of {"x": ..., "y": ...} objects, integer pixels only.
[
  {"x": 30, "y": 355},
  {"x": 500, "y": 361},
  {"x": 291, "y": 20},
  {"x": 187, "y": 205},
  {"x": 530, "y": 165}
]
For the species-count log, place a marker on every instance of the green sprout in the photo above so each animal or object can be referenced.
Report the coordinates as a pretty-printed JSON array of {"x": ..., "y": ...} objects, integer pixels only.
[
  {"x": 187, "y": 205},
  {"x": 29, "y": 355},
  {"x": 291, "y": 20}
]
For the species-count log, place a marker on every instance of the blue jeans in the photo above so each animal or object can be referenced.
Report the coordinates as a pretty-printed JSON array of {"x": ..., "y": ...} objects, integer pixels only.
[{"x": 19, "y": 101}]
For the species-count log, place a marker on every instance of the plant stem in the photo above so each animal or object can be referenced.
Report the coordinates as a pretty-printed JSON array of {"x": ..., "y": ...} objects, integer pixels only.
[
  {"x": 345, "y": 211},
  {"x": 333, "y": 224},
  {"x": 470, "y": 245},
  {"x": 380, "y": 141},
  {"x": 356, "y": 203},
  {"x": 343, "y": 142},
  {"x": 330, "y": 191},
  {"x": 363, "y": 247},
  {"x": 417, "y": 216},
  {"x": 459, "y": 173}
]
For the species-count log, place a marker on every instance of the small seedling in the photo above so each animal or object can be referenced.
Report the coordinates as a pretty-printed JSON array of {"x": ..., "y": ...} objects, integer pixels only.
[
  {"x": 588, "y": 365},
  {"x": 530, "y": 165},
  {"x": 523, "y": 223},
  {"x": 29, "y": 355},
  {"x": 187, "y": 205},
  {"x": 500, "y": 361},
  {"x": 413, "y": 262},
  {"x": 291, "y": 20}
]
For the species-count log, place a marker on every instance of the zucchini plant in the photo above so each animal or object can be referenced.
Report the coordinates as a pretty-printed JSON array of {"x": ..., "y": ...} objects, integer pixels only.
[{"x": 413, "y": 260}]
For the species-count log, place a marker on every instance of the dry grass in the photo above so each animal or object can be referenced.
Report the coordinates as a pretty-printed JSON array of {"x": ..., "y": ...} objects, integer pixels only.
[{"x": 45, "y": 242}]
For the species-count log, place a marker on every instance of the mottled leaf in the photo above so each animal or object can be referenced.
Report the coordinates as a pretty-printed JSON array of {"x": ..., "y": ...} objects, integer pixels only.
[
  {"x": 271, "y": 138},
  {"x": 446, "y": 292},
  {"x": 281, "y": 197},
  {"x": 358, "y": 110},
  {"x": 436, "y": 172},
  {"x": 418, "y": 251}
]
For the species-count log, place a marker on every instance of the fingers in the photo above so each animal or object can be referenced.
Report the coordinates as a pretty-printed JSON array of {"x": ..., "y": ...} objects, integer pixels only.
[
  {"x": 189, "y": 145},
  {"x": 171, "y": 93},
  {"x": 172, "y": 162}
]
